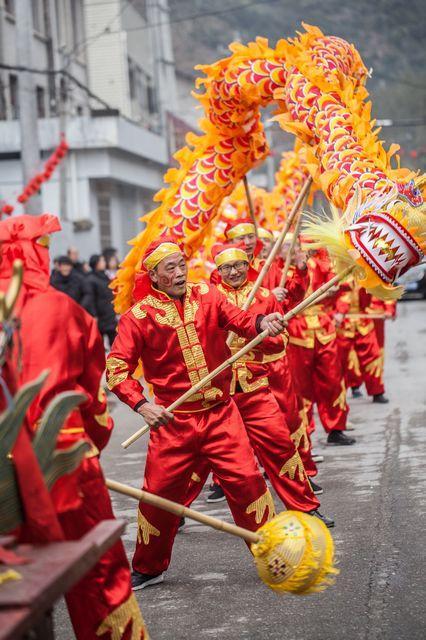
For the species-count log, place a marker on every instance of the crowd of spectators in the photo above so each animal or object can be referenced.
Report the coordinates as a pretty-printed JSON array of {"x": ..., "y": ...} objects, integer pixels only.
[{"x": 88, "y": 283}]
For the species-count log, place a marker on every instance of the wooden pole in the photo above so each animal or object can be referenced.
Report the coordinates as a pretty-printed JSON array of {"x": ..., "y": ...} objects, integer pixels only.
[
  {"x": 291, "y": 249},
  {"x": 182, "y": 512},
  {"x": 248, "y": 347},
  {"x": 250, "y": 204},
  {"x": 368, "y": 316},
  {"x": 277, "y": 246}
]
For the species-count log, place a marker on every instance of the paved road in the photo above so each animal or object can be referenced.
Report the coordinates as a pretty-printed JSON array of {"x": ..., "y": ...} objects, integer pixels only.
[{"x": 376, "y": 491}]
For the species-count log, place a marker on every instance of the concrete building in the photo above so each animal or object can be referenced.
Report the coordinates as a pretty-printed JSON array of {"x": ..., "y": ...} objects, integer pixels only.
[{"x": 118, "y": 99}]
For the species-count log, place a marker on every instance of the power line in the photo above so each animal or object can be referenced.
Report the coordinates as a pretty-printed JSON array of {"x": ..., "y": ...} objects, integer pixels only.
[
  {"x": 64, "y": 72},
  {"x": 192, "y": 17},
  {"x": 82, "y": 46}
]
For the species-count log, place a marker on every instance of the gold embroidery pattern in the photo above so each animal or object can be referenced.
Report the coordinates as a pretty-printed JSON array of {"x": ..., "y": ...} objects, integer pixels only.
[
  {"x": 341, "y": 398},
  {"x": 375, "y": 367},
  {"x": 292, "y": 465},
  {"x": 272, "y": 357},
  {"x": 353, "y": 362},
  {"x": 195, "y": 477},
  {"x": 138, "y": 312},
  {"x": 244, "y": 375},
  {"x": 186, "y": 332},
  {"x": 117, "y": 372},
  {"x": 102, "y": 418},
  {"x": 300, "y": 437},
  {"x": 117, "y": 621},
  {"x": 145, "y": 529},
  {"x": 260, "y": 505}
]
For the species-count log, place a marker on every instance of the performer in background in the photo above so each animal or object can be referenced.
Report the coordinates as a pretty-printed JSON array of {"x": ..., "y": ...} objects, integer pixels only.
[
  {"x": 59, "y": 335},
  {"x": 359, "y": 350},
  {"x": 178, "y": 330},
  {"x": 314, "y": 356},
  {"x": 265, "y": 423}
]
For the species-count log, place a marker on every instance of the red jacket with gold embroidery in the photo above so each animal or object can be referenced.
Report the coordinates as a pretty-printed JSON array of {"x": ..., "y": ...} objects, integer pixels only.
[
  {"x": 59, "y": 335},
  {"x": 354, "y": 300},
  {"x": 316, "y": 321},
  {"x": 179, "y": 342},
  {"x": 251, "y": 371}
]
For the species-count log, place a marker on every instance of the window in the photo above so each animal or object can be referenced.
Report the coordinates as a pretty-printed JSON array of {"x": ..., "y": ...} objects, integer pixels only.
[
  {"x": 37, "y": 13},
  {"x": 142, "y": 91},
  {"x": 3, "y": 112},
  {"x": 9, "y": 5},
  {"x": 77, "y": 22},
  {"x": 13, "y": 97},
  {"x": 41, "y": 102},
  {"x": 103, "y": 197}
]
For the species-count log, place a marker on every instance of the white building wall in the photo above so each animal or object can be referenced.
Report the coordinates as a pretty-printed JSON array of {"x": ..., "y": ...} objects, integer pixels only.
[{"x": 107, "y": 54}]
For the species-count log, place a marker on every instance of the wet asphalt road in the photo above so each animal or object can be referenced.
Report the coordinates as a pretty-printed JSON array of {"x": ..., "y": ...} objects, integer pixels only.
[{"x": 374, "y": 489}]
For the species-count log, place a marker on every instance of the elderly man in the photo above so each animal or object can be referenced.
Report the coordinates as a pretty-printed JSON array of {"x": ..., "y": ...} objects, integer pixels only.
[{"x": 178, "y": 330}]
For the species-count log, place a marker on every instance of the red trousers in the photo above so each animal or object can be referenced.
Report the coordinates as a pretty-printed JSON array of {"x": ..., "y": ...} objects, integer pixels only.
[
  {"x": 270, "y": 438},
  {"x": 215, "y": 439},
  {"x": 369, "y": 358},
  {"x": 317, "y": 375},
  {"x": 102, "y": 601},
  {"x": 282, "y": 386}
]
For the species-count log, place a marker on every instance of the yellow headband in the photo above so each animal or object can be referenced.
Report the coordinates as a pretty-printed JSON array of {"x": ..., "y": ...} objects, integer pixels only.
[
  {"x": 228, "y": 255},
  {"x": 264, "y": 234},
  {"x": 242, "y": 229},
  {"x": 162, "y": 251}
]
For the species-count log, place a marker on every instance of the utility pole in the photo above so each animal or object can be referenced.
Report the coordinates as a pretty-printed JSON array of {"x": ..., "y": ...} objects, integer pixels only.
[{"x": 30, "y": 152}]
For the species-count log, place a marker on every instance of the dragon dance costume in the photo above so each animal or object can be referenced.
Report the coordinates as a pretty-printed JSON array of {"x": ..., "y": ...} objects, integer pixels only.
[
  {"x": 279, "y": 373},
  {"x": 264, "y": 421},
  {"x": 179, "y": 341},
  {"x": 313, "y": 353},
  {"x": 357, "y": 339},
  {"x": 58, "y": 335}
]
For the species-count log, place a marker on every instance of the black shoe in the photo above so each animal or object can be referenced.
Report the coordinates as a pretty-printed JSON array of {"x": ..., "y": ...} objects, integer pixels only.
[
  {"x": 329, "y": 522},
  {"x": 216, "y": 494},
  {"x": 143, "y": 580},
  {"x": 356, "y": 392},
  {"x": 317, "y": 457},
  {"x": 338, "y": 438},
  {"x": 315, "y": 487},
  {"x": 380, "y": 398},
  {"x": 181, "y": 523}
]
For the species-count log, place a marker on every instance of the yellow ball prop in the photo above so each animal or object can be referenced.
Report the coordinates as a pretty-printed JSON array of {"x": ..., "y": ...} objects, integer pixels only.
[{"x": 295, "y": 554}]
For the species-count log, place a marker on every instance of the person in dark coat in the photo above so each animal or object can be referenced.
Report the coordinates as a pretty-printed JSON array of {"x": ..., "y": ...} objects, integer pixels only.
[
  {"x": 102, "y": 297},
  {"x": 66, "y": 279}
]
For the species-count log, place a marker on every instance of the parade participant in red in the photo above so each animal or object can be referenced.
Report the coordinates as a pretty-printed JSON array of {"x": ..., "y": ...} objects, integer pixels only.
[
  {"x": 179, "y": 331},
  {"x": 243, "y": 230},
  {"x": 314, "y": 357},
  {"x": 358, "y": 334},
  {"x": 264, "y": 421},
  {"x": 388, "y": 309},
  {"x": 280, "y": 374},
  {"x": 58, "y": 335}
]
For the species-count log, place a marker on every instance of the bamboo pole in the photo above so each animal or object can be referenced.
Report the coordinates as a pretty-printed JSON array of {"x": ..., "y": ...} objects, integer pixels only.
[
  {"x": 250, "y": 204},
  {"x": 291, "y": 248},
  {"x": 248, "y": 347},
  {"x": 277, "y": 246},
  {"x": 369, "y": 316},
  {"x": 182, "y": 512}
]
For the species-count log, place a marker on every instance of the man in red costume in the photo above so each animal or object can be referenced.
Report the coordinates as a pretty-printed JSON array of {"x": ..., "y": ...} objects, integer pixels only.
[
  {"x": 314, "y": 357},
  {"x": 243, "y": 230},
  {"x": 280, "y": 378},
  {"x": 264, "y": 421},
  {"x": 357, "y": 336},
  {"x": 178, "y": 330},
  {"x": 58, "y": 335}
]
